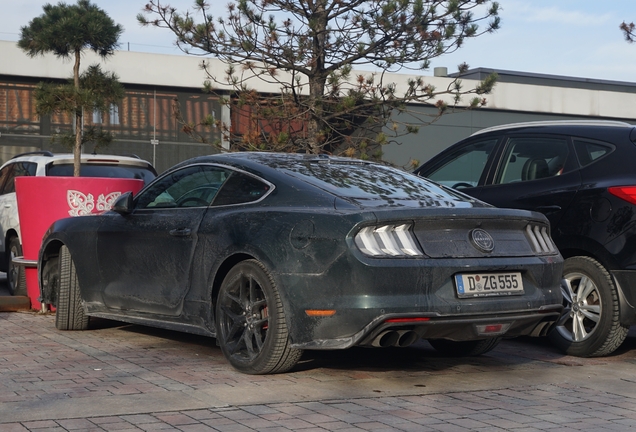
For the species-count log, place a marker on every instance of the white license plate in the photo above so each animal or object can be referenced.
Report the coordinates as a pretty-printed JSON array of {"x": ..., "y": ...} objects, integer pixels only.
[{"x": 488, "y": 284}]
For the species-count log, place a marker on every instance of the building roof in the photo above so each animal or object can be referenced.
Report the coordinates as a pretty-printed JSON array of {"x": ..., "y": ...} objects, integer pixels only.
[
  {"x": 515, "y": 91},
  {"x": 548, "y": 80}
]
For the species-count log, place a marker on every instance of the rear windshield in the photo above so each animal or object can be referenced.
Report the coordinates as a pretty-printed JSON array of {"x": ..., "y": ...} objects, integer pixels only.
[
  {"x": 103, "y": 170},
  {"x": 376, "y": 185}
]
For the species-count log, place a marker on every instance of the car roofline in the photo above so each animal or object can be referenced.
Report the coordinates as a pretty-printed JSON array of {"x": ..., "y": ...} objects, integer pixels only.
[
  {"x": 47, "y": 157},
  {"x": 606, "y": 123}
]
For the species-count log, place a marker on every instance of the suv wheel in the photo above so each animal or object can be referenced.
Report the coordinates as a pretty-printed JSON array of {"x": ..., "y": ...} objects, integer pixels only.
[
  {"x": 589, "y": 326},
  {"x": 16, "y": 281}
]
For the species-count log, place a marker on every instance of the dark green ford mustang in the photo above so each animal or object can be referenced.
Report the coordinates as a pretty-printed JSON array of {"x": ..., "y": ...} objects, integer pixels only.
[{"x": 273, "y": 254}]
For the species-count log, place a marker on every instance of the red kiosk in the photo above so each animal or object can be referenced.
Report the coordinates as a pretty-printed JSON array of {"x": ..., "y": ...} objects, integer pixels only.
[{"x": 43, "y": 200}]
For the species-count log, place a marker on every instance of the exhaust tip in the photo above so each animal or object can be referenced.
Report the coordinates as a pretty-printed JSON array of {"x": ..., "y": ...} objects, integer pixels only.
[
  {"x": 407, "y": 338},
  {"x": 386, "y": 339}
]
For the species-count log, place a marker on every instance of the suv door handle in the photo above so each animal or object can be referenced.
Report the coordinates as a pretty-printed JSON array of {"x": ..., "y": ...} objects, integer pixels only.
[
  {"x": 548, "y": 209},
  {"x": 180, "y": 232}
]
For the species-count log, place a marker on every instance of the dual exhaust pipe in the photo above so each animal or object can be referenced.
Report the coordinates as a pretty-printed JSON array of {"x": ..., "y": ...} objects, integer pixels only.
[{"x": 397, "y": 338}]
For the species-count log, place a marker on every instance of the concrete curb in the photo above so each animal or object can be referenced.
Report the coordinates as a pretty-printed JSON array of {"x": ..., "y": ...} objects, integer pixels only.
[{"x": 14, "y": 303}]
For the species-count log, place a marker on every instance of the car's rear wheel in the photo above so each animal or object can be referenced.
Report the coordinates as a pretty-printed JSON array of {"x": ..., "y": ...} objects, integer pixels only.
[
  {"x": 250, "y": 322},
  {"x": 69, "y": 314},
  {"x": 16, "y": 280},
  {"x": 464, "y": 348},
  {"x": 590, "y": 324}
]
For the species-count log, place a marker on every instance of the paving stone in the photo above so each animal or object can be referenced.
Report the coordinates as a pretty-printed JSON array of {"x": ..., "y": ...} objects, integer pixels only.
[{"x": 113, "y": 362}]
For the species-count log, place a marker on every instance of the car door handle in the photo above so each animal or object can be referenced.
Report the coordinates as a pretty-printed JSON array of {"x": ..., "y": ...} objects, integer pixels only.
[
  {"x": 548, "y": 209},
  {"x": 180, "y": 232}
]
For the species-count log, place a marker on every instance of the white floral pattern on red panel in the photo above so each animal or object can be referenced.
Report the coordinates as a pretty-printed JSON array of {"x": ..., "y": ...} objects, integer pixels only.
[{"x": 84, "y": 204}]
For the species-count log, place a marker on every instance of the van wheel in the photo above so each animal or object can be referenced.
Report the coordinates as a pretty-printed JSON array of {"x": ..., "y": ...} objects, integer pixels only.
[{"x": 590, "y": 325}]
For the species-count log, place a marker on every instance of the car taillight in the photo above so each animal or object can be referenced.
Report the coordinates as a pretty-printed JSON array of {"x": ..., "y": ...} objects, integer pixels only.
[
  {"x": 540, "y": 239},
  {"x": 627, "y": 193},
  {"x": 387, "y": 241}
]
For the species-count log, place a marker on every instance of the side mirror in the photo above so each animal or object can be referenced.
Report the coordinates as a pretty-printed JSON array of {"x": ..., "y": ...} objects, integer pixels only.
[{"x": 124, "y": 204}]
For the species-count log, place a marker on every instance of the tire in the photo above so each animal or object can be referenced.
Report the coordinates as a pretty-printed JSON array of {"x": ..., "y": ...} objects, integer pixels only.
[
  {"x": 70, "y": 314},
  {"x": 51, "y": 280},
  {"x": 250, "y": 322},
  {"x": 590, "y": 325},
  {"x": 16, "y": 279},
  {"x": 464, "y": 348}
]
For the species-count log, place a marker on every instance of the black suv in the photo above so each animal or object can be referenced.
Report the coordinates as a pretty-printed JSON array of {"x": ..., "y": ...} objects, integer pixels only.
[{"x": 582, "y": 176}]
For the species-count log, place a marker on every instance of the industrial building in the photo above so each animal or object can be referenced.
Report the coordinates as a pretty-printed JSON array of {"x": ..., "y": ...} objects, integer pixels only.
[{"x": 144, "y": 124}]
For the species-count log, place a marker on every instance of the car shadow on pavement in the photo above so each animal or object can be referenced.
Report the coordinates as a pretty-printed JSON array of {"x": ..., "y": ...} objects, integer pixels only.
[
  {"x": 417, "y": 357},
  {"x": 510, "y": 353}
]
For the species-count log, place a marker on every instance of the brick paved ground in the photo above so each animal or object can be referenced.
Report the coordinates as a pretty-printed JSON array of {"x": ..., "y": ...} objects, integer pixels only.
[{"x": 121, "y": 377}]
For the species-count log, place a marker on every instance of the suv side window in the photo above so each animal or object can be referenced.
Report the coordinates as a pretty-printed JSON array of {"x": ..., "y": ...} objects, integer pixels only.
[
  {"x": 589, "y": 152},
  {"x": 194, "y": 186},
  {"x": 18, "y": 169},
  {"x": 532, "y": 158},
  {"x": 465, "y": 166}
]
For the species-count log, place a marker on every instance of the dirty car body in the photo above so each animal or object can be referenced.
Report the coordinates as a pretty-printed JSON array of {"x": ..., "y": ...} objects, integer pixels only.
[{"x": 272, "y": 254}]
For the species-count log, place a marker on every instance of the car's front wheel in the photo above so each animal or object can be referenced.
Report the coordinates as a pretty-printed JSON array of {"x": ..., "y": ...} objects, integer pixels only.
[
  {"x": 464, "y": 348},
  {"x": 590, "y": 325},
  {"x": 69, "y": 314},
  {"x": 250, "y": 322},
  {"x": 16, "y": 281}
]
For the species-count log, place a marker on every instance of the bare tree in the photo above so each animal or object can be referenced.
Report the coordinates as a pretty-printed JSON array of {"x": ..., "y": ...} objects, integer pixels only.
[
  {"x": 628, "y": 31},
  {"x": 308, "y": 50}
]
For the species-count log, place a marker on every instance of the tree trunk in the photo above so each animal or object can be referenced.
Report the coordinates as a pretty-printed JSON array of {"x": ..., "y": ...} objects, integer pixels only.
[
  {"x": 314, "y": 135},
  {"x": 77, "y": 149},
  {"x": 317, "y": 79}
]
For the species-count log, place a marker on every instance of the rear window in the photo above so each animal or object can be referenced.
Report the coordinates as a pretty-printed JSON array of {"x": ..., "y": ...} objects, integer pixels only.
[
  {"x": 240, "y": 189},
  {"x": 588, "y": 151},
  {"x": 376, "y": 185},
  {"x": 103, "y": 170}
]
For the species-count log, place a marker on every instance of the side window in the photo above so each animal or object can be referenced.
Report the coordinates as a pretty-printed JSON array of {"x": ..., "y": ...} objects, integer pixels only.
[
  {"x": 589, "y": 152},
  {"x": 5, "y": 173},
  {"x": 464, "y": 167},
  {"x": 17, "y": 169},
  {"x": 533, "y": 158},
  {"x": 193, "y": 186},
  {"x": 241, "y": 188}
]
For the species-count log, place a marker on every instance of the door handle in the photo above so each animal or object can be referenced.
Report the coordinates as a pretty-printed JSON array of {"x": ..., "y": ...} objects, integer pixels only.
[
  {"x": 548, "y": 209},
  {"x": 180, "y": 232}
]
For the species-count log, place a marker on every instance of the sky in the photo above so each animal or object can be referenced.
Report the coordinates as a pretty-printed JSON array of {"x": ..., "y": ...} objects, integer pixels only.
[{"x": 576, "y": 38}]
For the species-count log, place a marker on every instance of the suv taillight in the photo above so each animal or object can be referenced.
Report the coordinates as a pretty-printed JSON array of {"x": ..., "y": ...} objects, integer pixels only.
[{"x": 628, "y": 193}]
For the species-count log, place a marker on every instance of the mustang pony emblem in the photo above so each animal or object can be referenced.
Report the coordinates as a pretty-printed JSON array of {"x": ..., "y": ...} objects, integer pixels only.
[{"x": 82, "y": 204}]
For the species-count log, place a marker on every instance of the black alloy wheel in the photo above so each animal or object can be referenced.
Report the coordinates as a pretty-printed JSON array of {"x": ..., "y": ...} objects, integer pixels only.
[{"x": 250, "y": 322}]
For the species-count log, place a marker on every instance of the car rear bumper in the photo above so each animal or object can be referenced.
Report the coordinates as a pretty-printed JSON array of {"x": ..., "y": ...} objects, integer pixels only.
[
  {"x": 403, "y": 330},
  {"x": 350, "y": 303}
]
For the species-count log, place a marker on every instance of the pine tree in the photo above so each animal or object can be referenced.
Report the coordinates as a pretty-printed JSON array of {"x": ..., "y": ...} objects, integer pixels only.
[
  {"x": 309, "y": 48},
  {"x": 67, "y": 31}
]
